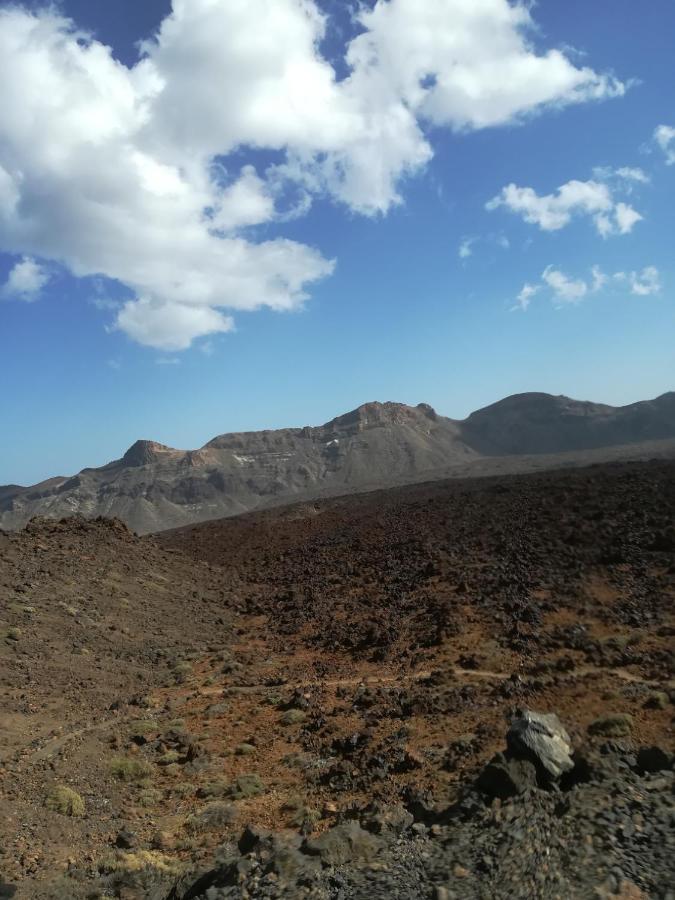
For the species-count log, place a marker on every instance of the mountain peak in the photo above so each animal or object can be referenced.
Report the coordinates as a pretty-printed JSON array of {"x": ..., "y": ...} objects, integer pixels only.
[
  {"x": 144, "y": 452},
  {"x": 375, "y": 413}
]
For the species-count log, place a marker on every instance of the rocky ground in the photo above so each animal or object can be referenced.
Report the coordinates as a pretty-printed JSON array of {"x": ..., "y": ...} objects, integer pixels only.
[{"x": 308, "y": 701}]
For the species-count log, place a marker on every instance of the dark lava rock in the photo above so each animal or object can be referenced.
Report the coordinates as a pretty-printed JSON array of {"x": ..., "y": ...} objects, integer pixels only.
[
  {"x": 505, "y": 776},
  {"x": 345, "y": 843},
  {"x": 653, "y": 759}
]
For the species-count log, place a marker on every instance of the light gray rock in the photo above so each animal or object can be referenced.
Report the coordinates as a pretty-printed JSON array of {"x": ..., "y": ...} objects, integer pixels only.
[{"x": 541, "y": 735}]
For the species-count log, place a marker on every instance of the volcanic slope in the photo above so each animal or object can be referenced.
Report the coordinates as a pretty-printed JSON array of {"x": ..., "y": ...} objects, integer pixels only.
[
  {"x": 154, "y": 487},
  {"x": 347, "y": 664}
]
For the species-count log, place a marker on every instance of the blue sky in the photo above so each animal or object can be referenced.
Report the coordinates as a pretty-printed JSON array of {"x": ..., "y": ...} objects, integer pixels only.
[{"x": 98, "y": 348}]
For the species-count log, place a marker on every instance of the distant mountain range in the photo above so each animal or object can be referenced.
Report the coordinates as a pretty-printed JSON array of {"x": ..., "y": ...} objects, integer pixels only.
[{"x": 154, "y": 487}]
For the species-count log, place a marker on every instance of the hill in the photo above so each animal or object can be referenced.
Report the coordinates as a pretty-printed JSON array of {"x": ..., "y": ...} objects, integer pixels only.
[{"x": 154, "y": 487}]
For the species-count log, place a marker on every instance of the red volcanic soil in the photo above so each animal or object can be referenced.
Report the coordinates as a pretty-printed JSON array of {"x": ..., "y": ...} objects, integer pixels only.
[{"x": 352, "y": 650}]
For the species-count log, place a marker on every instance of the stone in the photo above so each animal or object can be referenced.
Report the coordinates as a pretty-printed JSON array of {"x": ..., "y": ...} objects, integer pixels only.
[
  {"x": 653, "y": 759},
  {"x": 542, "y": 736},
  {"x": 345, "y": 843},
  {"x": 505, "y": 776},
  {"x": 126, "y": 839}
]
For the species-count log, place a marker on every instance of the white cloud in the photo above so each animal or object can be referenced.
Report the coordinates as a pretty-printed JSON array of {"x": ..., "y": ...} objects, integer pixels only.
[
  {"x": 627, "y": 174},
  {"x": 170, "y": 326},
  {"x": 600, "y": 280},
  {"x": 567, "y": 290},
  {"x": 665, "y": 138},
  {"x": 646, "y": 282},
  {"x": 524, "y": 298},
  {"x": 466, "y": 248},
  {"x": 25, "y": 281},
  {"x": 633, "y": 174},
  {"x": 552, "y": 212},
  {"x": 626, "y": 218},
  {"x": 129, "y": 173}
]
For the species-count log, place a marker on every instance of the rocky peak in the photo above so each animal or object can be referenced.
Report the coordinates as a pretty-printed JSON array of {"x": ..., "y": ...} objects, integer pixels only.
[
  {"x": 142, "y": 453},
  {"x": 374, "y": 414}
]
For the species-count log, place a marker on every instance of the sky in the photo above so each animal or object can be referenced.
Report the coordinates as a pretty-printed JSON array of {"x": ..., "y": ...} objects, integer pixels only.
[{"x": 229, "y": 215}]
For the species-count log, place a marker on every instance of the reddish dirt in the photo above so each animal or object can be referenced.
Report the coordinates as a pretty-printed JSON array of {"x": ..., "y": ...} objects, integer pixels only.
[{"x": 401, "y": 627}]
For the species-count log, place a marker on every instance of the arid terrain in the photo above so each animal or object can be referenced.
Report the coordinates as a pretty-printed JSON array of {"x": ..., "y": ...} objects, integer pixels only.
[
  {"x": 307, "y": 701},
  {"x": 153, "y": 487}
]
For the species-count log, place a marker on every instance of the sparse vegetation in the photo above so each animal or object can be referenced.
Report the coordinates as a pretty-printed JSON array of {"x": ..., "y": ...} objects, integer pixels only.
[
  {"x": 616, "y": 725},
  {"x": 293, "y": 717},
  {"x": 141, "y": 870},
  {"x": 149, "y": 797},
  {"x": 217, "y": 788},
  {"x": 168, "y": 758},
  {"x": 212, "y": 817},
  {"x": 142, "y": 727},
  {"x": 126, "y": 768},
  {"x": 65, "y": 801},
  {"x": 246, "y": 786}
]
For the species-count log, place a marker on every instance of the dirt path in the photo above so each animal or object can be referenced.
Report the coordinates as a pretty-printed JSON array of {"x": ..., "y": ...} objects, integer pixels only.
[
  {"x": 54, "y": 745},
  {"x": 375, "y": 681}
]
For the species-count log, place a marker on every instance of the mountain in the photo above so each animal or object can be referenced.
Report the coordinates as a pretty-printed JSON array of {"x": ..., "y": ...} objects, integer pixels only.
[
  {"x": 154, "y": 487},
  {"x": 541, "y": 423}
]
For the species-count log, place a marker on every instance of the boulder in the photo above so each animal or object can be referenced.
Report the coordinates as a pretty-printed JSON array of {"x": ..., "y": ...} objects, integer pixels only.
[
  {"x": 343, "y": 844},
  {"x": 505, "y": 776},
  {"x": 541, "y": 737}
]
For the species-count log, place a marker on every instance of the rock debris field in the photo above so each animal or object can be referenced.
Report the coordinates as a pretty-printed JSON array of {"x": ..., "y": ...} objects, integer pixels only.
[{"x": 459, "y": 689}]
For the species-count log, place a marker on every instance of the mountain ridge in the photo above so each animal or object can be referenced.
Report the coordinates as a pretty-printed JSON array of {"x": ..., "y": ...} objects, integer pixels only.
[{"x": 153, "y": 486}]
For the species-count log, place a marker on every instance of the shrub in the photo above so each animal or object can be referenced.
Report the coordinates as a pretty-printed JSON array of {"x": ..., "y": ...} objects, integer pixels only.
[
  {"x": 616, "y": 725},
  {"x": 65, "y": 801},
  {"x": 212, "y": 817},
  {"x": 14, "y": 634},
  {"x": 293, "y": 717},
  {"x": 125, "y": 768},
  {"x": 143, "y": 726},
  {"x": 246, "y": 786},
  {"x": 143, "y": 870},
  {"x": 168, "y": 758},
  {"x": 218, "y": 788},
  {"x": 149, "y": 797},
  {"x": 245, "y": 749}
]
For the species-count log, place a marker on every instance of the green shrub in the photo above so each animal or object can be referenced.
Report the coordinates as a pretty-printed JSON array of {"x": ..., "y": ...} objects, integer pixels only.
[
  {"x": 149, "y": 797},
  {"x": 616, "y": 725},
  {"x": 293, "y": 717},
  {"x": 218, "y": 788},
  {"x": 212, "y": 817},
  {"x": 168, "y": 758},
  {"x": 125, "y": 768},
  {"x": 65, "y": 801},
  {"x": 246, "y": 786}
]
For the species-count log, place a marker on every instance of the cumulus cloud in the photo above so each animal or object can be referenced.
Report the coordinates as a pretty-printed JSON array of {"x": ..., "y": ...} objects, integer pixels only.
[
  {"x": 551, "y": 212},
  {"x": 564, "y": 289},
  {"x": 643, "y": 283},
  {"x": 135, "y": 174},
  {"x": 25, "y": 281},
  {"x": 665, "y": 138},
  {"x": 567, "y": 290}
]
